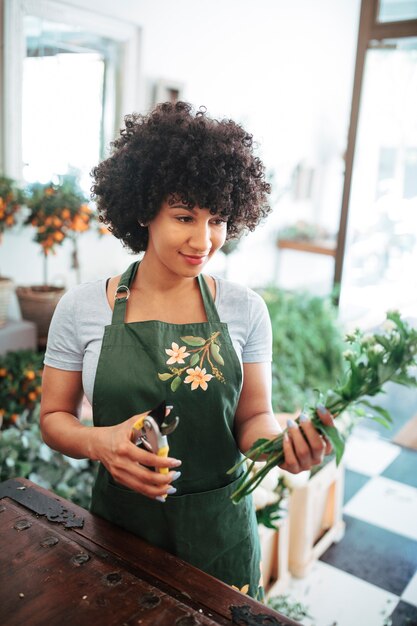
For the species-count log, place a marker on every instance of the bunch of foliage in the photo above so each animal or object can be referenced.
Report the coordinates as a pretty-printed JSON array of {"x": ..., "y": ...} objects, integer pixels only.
[
  {"x": 23, "y": 454},
  {"x": 370, "y": 361},
  {"x": 271, "y": 513},
  {"x": 307, "y": 346},
  {"x": 57, "y": 211},
  {"x": 20, "y": 384},
  {"x": 291, "y": 608},
  {"x": 11, "y": 199},
  {"x": 22, "y": 451}
]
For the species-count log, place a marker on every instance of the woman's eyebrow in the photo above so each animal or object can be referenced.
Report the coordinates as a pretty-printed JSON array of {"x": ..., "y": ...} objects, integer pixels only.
[{"x": 179, "y": 205}]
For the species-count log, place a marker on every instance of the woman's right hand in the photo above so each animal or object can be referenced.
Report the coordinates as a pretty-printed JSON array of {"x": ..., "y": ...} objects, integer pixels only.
[{"x": 129, "y": 465}]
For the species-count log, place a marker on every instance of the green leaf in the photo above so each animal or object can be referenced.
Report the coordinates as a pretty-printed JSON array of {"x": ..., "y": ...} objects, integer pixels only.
[
  {"x": 215, "y": 353},
  {"x": 193, "y": 341},
  {"x": 176, "y": 383},
  {"x": 194, "y": 359},
  {"x": 385, "y": 415},
  {"x": 165, "y": 376},
  {"x": 334, "y": 437}
]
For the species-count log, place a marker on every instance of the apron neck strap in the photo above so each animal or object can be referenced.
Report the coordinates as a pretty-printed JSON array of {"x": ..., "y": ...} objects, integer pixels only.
[
  {"x": 123, "y": 292},
  {"x": 211, "y": 311}
]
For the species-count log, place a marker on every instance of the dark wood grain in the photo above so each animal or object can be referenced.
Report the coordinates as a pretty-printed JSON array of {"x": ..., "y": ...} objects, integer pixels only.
[{"x": 98, "y": 573}]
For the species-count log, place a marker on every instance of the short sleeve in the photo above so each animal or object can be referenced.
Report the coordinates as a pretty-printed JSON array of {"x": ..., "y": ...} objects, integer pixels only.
[
  {"x": 63, "y": 350},
  {"x": 258, "y": 347}
]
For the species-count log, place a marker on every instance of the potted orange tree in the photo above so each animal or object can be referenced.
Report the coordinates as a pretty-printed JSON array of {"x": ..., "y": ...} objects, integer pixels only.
[
  {"x": 11, "y": 199},
  {"x": 57, "y": 211}
]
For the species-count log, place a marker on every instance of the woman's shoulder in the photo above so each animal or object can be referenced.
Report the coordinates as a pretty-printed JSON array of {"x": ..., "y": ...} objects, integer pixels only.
[
  {"x": 239, "y": 303},
  {"x": 86, "y": 297},
  {"x": 232, "y": 291}
]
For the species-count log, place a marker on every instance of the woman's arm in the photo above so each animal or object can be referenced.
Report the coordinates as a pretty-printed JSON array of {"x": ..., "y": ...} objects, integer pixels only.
[
  {"x": 303, "y": 446},
  {"x": 61, "y": 430}
]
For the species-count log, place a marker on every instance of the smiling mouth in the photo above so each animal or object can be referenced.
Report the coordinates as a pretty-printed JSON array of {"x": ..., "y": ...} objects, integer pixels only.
[
  {"x": 194, "y": 259},
  {"x": 194, "y": 256}
]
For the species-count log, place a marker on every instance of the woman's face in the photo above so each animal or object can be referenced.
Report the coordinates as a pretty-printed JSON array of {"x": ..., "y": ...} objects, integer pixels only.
[{"x": 182, "y": 240}]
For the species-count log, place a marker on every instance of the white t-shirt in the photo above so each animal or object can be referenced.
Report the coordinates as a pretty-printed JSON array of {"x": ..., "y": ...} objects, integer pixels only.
[{"x": 77, "y": 327}]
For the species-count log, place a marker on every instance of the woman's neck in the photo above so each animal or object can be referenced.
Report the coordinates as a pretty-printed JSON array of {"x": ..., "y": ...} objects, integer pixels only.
[{"x": 152, "y": 277}]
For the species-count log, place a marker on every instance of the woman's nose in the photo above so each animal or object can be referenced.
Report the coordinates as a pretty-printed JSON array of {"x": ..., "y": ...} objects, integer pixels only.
[{"x": 201, "y": 237}]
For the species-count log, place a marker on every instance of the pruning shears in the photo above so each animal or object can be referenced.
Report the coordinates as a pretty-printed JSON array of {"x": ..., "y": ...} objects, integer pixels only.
[{"x": 150, "y": 431}]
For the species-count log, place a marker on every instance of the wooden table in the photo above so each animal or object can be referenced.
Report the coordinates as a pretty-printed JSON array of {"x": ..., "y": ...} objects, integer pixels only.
[{"x": 61, "y": 565}]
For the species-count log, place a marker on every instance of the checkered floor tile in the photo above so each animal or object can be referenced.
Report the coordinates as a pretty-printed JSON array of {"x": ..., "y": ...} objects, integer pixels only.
[{"x": 369, "y": 578}]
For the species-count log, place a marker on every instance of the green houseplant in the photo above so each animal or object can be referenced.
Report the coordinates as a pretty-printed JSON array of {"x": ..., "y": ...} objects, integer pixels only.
[
  {"x": 22, "y": 451},
  {"x": 20, "y": 385},
  {"x": 307, "y": 346},
  {"x": 57, "y": 211},
  {"x": 11, "y": 199}
]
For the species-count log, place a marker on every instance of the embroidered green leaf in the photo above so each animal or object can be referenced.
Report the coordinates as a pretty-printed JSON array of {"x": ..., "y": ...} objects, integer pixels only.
[
  {"x": 165, "y": 376},
  {"x": 176, "y": 383},
  {"x": 194, "y": 359},
  {"x": 215, "y": 353},
  {"x": 193, "y": 341}
]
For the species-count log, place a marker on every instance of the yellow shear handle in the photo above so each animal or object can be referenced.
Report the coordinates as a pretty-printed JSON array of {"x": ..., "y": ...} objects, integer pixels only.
[
  {"x": 138, "y": 425},
  {"x": 163, "y": 452}
]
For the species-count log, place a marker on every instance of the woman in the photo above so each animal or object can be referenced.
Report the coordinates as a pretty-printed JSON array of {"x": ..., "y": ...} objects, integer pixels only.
[{"x": 176, "y": 186}]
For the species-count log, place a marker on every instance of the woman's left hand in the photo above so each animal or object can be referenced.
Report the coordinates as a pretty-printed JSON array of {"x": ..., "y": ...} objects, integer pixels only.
[{"x": 303, "y": 445}]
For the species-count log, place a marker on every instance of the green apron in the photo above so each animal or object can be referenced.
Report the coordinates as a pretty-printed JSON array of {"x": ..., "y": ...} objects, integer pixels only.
[{"x": 193, "y": 367}]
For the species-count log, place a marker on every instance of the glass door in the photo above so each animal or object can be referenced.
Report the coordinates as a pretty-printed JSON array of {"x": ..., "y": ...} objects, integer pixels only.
[{"x": 381, "y": 243}]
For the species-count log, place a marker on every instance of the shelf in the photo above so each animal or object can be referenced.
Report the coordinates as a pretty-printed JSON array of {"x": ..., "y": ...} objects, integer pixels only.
[{"x": 314, "y": 247}]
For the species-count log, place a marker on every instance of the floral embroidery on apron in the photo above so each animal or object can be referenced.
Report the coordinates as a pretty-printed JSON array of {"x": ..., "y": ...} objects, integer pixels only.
[{"x": 201, "y": 351}]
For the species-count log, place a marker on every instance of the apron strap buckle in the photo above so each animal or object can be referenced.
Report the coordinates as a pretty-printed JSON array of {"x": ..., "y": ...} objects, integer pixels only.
[{"x": 120, "y": 290}]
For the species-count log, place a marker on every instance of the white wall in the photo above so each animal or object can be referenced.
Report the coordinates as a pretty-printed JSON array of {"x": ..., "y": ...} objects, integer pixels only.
[{"x": 283, "y": 69}]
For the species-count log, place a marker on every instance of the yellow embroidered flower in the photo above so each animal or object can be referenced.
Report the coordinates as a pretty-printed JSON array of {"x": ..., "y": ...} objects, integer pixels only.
[
  {"x": 244, "y": 589},
  {"x": 198, "y": 378},
  {"x": 176, "y": 354}
]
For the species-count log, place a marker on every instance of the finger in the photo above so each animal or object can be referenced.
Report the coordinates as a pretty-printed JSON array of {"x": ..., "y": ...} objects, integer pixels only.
[
  {"x": 145, "y": 481},
  {"x": 291, "y": 463},
  {"x": 325, "y": 415},
  {"x": 144, "y": 457},
  {"x": 149, "y": 489},
  {"x": 315, "y": 440},
  {"x": 300, "y": 445},
  {"x": 328, "y": 420},
  {"x": 328, "y": 448}
]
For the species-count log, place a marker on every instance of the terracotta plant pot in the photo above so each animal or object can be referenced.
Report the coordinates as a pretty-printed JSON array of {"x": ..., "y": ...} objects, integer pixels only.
[
  {"x": 6, "y": 290},
  {"x": 37, "y": 304}
]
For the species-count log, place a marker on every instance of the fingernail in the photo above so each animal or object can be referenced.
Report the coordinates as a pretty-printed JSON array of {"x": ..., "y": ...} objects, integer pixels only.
[
  {"x": 176, "y": 475},
  {"x": 176, "y": 462},
  {"x": 291, "y": 424},
  {"x": 160, "y": 498},
  {"x": 321, "y": 408},
  {"x": 169, "y": 406},
  {"x": 171, "y": 490},
  {"x": 303, "y": 418}
]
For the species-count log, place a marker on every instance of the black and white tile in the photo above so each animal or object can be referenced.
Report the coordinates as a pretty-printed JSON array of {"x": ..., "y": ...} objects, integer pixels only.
[{"x": 369, "y": 578}]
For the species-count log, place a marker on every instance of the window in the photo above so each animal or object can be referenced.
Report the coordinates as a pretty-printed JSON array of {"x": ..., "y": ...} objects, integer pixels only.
[{"x": 69, "y": 77}]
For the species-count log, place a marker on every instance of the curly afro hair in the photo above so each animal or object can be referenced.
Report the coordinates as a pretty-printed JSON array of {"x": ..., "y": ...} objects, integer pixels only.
[{"x": 175, "y": 152}]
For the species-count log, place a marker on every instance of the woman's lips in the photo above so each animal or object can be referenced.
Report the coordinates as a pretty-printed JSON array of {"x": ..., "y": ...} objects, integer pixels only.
[{"x": 194, "y": 259}]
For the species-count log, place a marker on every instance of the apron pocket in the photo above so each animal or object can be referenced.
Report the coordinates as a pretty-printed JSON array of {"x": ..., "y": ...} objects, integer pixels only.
[
  {"x": 216, "y": 535},
  {"x": 204, "y": 529}
]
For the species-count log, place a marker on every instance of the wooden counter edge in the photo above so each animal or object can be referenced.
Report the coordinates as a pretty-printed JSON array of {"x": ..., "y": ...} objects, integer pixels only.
[{"x": 151, "y": 560}]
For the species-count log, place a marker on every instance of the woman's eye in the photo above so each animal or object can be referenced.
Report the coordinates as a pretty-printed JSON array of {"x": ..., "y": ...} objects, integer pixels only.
[
  {"x": 219, "y": 221},
  {"x": 184, "y": 218}
]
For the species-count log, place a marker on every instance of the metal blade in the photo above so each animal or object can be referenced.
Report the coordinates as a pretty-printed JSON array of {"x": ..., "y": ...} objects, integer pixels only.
[{"x": 169, "y": 425}]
